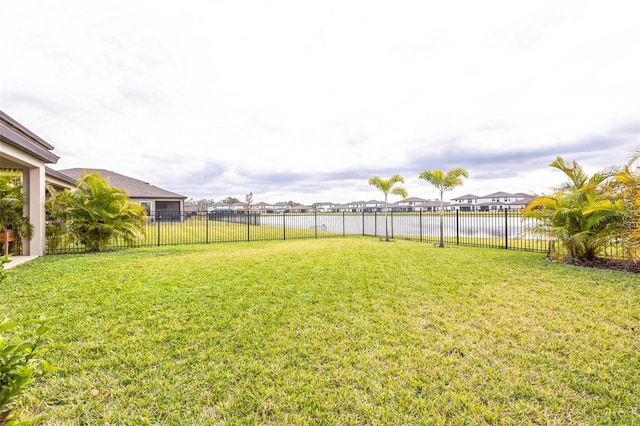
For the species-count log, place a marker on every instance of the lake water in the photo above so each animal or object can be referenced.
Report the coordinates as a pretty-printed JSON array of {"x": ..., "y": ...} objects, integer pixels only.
[{"x": 483, "y": 225}]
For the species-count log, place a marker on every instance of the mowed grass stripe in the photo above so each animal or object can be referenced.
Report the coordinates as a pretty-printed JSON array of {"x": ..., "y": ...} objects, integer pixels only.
[{"x": 346, "y": 331}]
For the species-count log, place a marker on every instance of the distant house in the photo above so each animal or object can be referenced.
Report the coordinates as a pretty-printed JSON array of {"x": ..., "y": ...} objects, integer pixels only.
[
  {"x": 491, "y": 202},
  {"x": 373, "y": 206},
  {"x": 301, "y": 209},
  {"x": 432, "y": 206},
  {"x": 161, "y": 205},
  {"x": 280, "y": 207},
  {"x": 325, "y": 207},
  {"x": 357, "y": 206},
  {"x": 466, "y": 202},
  {"x": 409, "y": 204},
  {"x": 239, "y": 206},
  {"x": 341, "y": 208},
  {"x": 219, "y": 206},
  {"x": 263, "y": 207}
]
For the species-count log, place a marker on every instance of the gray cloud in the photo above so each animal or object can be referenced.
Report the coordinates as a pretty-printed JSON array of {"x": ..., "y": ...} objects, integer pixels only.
[
  {"x": 139, "y": 95},
  {"x": 506, "y": 162},
  {"x": 46, "y": 105}
]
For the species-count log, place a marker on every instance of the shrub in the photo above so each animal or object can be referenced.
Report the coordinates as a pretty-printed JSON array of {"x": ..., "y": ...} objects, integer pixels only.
[
  {"x": 20, "y": 364},
  {"x": 3, "y": 272},
  {"x": 94, "y": 215},
  {"x": 573, "y": 215},
  {"x": 11, "y": 205}
]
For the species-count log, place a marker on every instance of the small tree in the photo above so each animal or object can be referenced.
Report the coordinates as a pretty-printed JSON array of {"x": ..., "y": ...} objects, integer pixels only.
[
  {"x": 444, "y": 181},
  {"x": 204, "y": 203},
  {"x": 95, "y": 213},
  {"x": 249, "y": 201},
  {"x": 59, "y": 227},
  {"x": 583, "y": 213},
  {"x": 387, "y": 186},
  {"x": 230, "y": 200},
  {"x": 628, "y": 193}
]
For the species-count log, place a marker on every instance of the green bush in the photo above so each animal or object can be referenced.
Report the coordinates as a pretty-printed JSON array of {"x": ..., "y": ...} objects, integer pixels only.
[
  {"x": 20, "y": 364},
  {"x": 12, "y": 204},
  {"x": 3, "y": 272},
  {"x": 94, "y": 214}
]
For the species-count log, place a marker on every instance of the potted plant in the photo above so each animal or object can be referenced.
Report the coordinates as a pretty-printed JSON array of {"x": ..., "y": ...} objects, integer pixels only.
[{"x": 12, "y": 221}]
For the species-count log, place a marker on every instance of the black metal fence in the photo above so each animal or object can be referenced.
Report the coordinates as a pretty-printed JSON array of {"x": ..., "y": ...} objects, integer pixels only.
[{"x": 506, "y": 229}]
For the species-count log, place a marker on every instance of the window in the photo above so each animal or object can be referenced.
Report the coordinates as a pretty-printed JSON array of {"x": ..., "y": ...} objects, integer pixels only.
[{"x": 147, "y": 206}]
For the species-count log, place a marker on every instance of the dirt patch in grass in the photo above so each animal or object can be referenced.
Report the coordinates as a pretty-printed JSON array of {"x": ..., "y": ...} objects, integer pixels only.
[{"x": 612, "y": 264}]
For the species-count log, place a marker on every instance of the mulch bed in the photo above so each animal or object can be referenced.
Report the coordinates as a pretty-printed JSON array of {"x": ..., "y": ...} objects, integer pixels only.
[{"x": 615, "y": 265}]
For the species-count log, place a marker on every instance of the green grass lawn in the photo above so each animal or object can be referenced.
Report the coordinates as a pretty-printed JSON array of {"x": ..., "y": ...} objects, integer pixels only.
[{"x": 330, "y": 331}]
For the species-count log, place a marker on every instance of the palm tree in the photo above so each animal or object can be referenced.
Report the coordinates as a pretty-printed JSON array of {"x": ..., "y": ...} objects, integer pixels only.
[
  {"x": 623, "y": 201},
  {"x": 11, "y": 205},
  {"x": 583, "y": 213},
  {"x": 387, "y": 186},
  {"x": 99, "y": 213},
  {"x": 444, "y": 181}
]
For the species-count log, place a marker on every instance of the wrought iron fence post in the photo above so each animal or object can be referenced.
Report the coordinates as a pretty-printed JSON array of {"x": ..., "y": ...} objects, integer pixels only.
[
  {"x": 363, "y": 222},
  {"x": 315, "y": 222},
  {"x": 284, "y": 225},
  {"x": 420, "y": 222},
  {"x": 392, "y": 224},
  {"x": 158, "y": 225},
  {"x": 457, "y": 227},
  {"x": 206, "y": 227},
  {"x": 506, "y": 229},
  {"x": 375, "y": 223},
  {"x": 344, "y": 231},
  {"x": 248, "y": 220}
]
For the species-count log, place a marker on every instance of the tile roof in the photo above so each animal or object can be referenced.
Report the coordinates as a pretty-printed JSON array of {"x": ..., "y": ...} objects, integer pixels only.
[{"x": 134, "y": 187}]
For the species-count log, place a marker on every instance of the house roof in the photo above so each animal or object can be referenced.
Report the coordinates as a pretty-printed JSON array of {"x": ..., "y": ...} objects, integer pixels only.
[
  {"x": 466, "y": 197},
  {"x": 134, "y": 187},
  {"x": 54, "y": 174},
  {"x": 412, "y": 199},
  {"x": 500, "y": 194},
  {"x": 18, "y": 136},
  {"x": 432, "y": 203}
]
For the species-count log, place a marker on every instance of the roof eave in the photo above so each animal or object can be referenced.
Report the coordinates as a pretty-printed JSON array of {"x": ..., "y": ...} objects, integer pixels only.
[{"x": 15, "y": 139}]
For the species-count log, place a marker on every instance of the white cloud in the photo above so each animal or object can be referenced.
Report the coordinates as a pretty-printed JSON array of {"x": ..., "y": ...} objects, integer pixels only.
[{"x": 182, "y": 95}]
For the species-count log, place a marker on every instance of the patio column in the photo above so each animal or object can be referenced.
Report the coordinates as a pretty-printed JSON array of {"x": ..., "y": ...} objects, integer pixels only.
[{"x": 34, "y": 184}]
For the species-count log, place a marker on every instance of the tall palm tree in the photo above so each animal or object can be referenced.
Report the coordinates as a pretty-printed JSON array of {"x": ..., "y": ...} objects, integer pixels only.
[
  {"x": 387, "y": 186},
  {"x": 444, "y": 181}
]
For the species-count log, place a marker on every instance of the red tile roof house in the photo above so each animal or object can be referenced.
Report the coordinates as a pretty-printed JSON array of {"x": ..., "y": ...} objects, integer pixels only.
[
  {"x": 161, "y": 205},
  {"x": 23, "y": 150}
]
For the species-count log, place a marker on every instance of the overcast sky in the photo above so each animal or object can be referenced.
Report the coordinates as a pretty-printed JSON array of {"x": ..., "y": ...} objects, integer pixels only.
[{"x": 306, "y": 100}]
